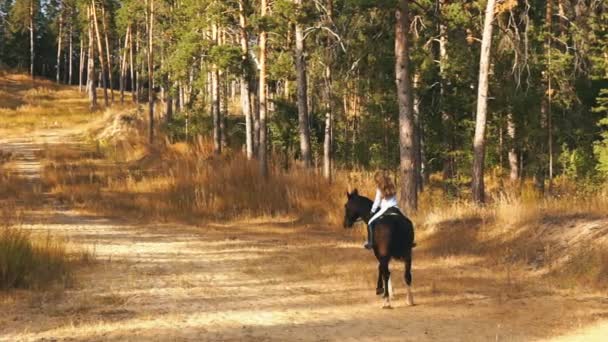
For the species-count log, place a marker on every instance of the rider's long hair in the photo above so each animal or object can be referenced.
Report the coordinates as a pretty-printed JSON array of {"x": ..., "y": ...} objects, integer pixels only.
[{"x": 385, "y": 184}]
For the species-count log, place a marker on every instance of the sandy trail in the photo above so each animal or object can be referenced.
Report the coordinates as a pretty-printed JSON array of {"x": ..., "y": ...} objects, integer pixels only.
[{"x": 278, "y": 281}]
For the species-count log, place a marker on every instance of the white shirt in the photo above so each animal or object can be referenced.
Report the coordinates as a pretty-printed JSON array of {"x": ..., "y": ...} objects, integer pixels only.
[{"x": 383, "y": 203}]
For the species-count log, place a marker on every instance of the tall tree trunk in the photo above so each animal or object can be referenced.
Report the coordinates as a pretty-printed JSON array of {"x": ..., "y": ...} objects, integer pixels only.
[
  {"x": 262, "y": 148},
  {"x": 71, "y": 48},
  {"x": 81, "y": 63},
  {"x": 108, "y": 55},
  {"x": 245, "y": 86},
  {"x": 91, "y": 86},
  {"x": 223, "y": 109},
  {"x": 549, "y": 95},
  {"x": 482, "y": 106},
  {"x": 133, "y": 87},
  {"x": 328, "y": 138},
  {"x": 151, "y": 72},
  {"x": 255, "y": 110},
  {"x": 102, "y": 62},
  {"x": 446, "y": 118},
  {"x": 32, "y": 49},
  {"x": 138, "y": 81},
  {"x": 215, "y": 99},
  {"x": 302, "y": 92},
  {"x": 417, "y": 133},
  {"x": 407, "y": 144},
  {"x": 223, "y": 84},
  {"x": 513, "y": 165},
  {"x": 59, "y": 41},
  {"x": 123, "y": 66}
]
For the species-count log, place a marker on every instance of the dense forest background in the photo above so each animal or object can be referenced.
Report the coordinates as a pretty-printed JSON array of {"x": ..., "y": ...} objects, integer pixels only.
[{"x": 345, "y": 84}]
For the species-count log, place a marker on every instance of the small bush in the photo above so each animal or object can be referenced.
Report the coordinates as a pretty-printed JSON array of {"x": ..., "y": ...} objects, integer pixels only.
[
  {"x": 30, "y": 262},
  {"x": 33, "y": 261}
]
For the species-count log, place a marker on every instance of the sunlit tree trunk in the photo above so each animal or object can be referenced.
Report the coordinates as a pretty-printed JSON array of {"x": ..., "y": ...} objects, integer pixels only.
[
  {"x": 102, "y": 62},
  {"x": 81, "y": 63},
  {"x": 328, "y": 138},
  {"x": 417, "y": 133},
  {"x": 446, "y": 118},
  {"x": 32, "y": 49},
  {"x": 409, "y": 193},
  {"x": 302, "y": 93},
  {"x": 132, "y": 70},
  {"x": 123, "y": 66},
  {"x": 71, "y": 46},
  {"x": 215, "y": 99},
  {"x": 151, "y": 71},
  {"x": 513, "y": 162},
  {"x": 482, "y": 106},
  {"x": 108, "y": 55},
  {"x": 91, "y": 86},
  {"x": 59, "y": 41},
  {"x": 244, "y": 81},
  {"x": 262, "y": 148}
]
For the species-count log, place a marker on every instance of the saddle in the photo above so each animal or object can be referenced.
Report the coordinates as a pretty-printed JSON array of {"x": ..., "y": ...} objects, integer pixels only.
[{"x": 393, "y": 211}]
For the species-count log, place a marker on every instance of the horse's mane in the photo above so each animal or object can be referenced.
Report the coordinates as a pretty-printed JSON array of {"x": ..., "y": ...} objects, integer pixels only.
[{"x": 365, "y": 199}]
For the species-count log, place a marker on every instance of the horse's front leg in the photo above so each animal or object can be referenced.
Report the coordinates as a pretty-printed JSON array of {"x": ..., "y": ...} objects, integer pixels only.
[{"x": 386, "y": 278}]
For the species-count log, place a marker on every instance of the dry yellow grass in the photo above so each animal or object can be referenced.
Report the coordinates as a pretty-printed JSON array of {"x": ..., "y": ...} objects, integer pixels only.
[
  {"x": 34, "y": 261},
  {"x": 26, "y": 105}
]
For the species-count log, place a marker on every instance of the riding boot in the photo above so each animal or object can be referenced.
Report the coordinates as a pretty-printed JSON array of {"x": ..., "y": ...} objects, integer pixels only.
[{"x": 370, "y": 237}]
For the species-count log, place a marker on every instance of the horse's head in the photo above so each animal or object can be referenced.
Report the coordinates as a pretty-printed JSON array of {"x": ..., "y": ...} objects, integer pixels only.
[{"x": 352, "y": 209}]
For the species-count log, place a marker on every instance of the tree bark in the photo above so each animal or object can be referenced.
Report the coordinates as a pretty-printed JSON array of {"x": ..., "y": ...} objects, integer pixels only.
[
  {"x": 549, "y": 112},
  {"x": 59, "y": 41},
  {"x": 223, "y": 86},
  {"x": 245, "y": 87},
  {"x": 132, "y": 69},
  {"x": 409, "y": 193},
  {"x": 108, "y": 56},
  {"x": 328, "y": 138},
  {"x": 71, "y": 48},
  {"x": 215, "y": 99},
  {"x": 100, "y": 53},
  {"x": 417, "y": 133},
  {"x": 302, "y": 92},
  {"x": 482, "y": 106},
  {"x": 123, "y": 65},
  {"x": 151, "y": 72},
  {"x": 91, "y": 86},
  {"x": 32, "y": 49},
  {"x": 262, "y": 148},
  {"x": 446, "y": 118},
  {"x": 513, "y": 165},
  {"x": 81, "y": 63}
]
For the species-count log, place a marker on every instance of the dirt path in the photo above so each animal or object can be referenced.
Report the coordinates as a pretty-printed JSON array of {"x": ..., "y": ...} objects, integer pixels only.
[{"x": 279, "y": 281}]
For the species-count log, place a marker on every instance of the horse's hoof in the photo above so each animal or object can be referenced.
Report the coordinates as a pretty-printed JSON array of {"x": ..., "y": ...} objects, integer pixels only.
[
  {"x": 387, "y": 307},
  {"x": 379, "y": 291}
]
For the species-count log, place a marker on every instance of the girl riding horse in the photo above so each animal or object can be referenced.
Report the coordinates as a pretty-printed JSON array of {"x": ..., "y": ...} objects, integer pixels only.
[{"x": 386, "y": 198}]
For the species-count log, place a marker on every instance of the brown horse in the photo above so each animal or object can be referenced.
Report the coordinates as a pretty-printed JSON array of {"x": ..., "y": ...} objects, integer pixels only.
[{"x": 393, "y": 238}]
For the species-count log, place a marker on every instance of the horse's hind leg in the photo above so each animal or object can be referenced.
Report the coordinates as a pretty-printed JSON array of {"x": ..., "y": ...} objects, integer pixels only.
[
  {"x": 408, "y": 278},
  {"x": 386, "y": 275},
  {"x": 379, "y": 286}
]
